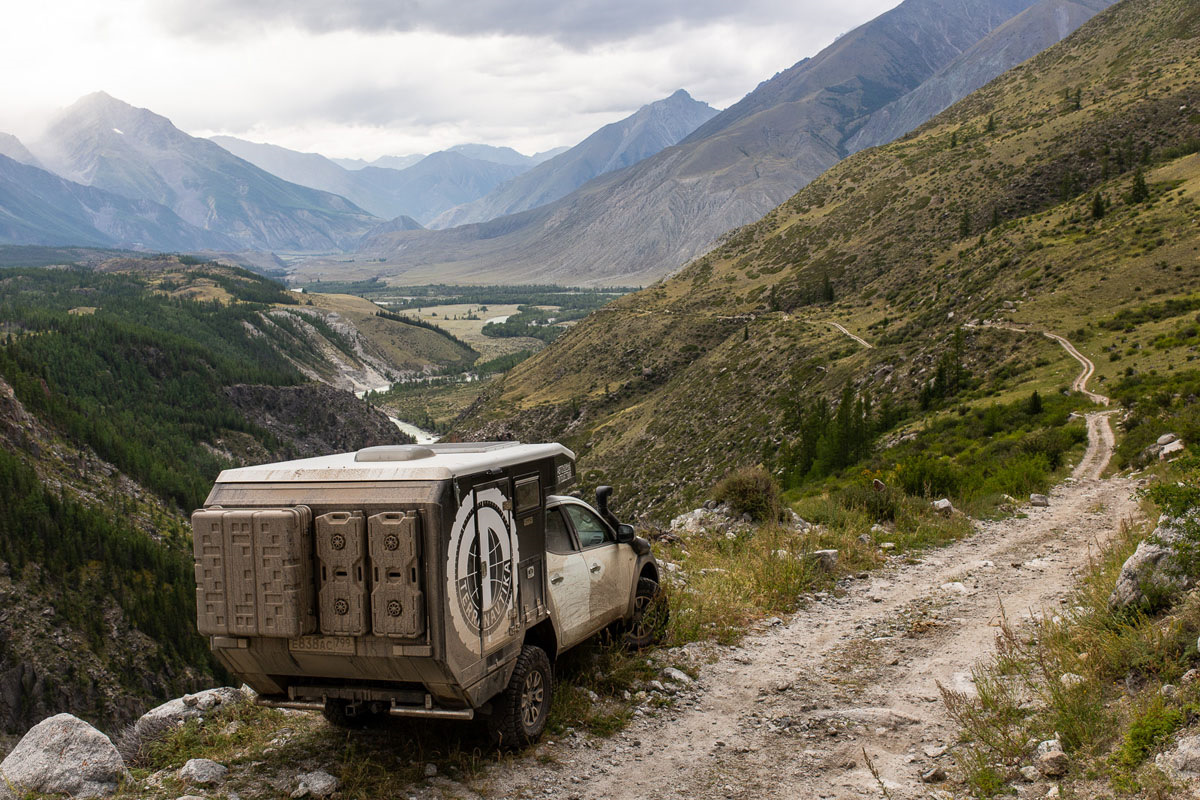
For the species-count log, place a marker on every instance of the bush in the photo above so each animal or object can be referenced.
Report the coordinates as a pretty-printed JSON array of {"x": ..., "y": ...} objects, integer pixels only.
[
  {"x": 1148, "y": 730},
  {"x": 750, "y": 490},
  {"x": 1019, "y": 475},
  {"x": 879, "y": 505},
  {"x": 927, "y": 476}
]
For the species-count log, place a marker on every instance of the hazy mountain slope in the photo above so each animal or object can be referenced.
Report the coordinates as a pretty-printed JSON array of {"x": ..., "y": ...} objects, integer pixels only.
[
  {"x": 390, "y": 192},
  {"x": 37, "y": 207},
  {"x": 1021, "y": 38},
  {"x": 642, "y": 222},
  {"x": 102, "y": 142},
  {"x": 306, "y": 169},
  {"x": 496, "y": 155},
  {"x": 668, "y": 388},
  {"x": 645, "y": 132},
  {"x": 392, "y": 162},
  {"x": 439, "y": 182},
  {"x": 12, "y": 147}
]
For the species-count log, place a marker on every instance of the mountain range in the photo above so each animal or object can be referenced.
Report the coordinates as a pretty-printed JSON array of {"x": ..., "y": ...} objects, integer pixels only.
[
  {"x": 107, "y": 144},
  {"x": 422, "y": 190},
  {"x": 1063, "y": 197},
  {"x": 629, "y": 204},
  {"x": 638, "y": 224},
  {"x": 650, "y": 129}
]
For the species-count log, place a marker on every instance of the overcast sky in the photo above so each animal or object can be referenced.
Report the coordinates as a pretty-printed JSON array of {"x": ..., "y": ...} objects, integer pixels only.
[{"x": 364, "y": 78}]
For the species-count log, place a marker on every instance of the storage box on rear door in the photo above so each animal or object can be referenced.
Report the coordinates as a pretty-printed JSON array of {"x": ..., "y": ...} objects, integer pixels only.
[{"x": 253, "y": 572}]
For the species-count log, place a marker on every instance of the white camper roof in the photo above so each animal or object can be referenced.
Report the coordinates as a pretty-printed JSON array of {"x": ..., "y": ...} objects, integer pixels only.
[{"x": 434, "y": 462}]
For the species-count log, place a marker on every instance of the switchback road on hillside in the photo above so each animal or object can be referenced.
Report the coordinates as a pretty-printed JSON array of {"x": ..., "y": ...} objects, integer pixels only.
[
  {"x": 1081, "y": 381},
  {"x": 858, "y": 339}
]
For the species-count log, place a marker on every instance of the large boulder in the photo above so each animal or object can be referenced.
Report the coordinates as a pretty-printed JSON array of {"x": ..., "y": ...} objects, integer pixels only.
[
  {"x": 174, "y": 713},
  {"x": 64, "y": 755},
  {"x": 1153, "y": 567}
]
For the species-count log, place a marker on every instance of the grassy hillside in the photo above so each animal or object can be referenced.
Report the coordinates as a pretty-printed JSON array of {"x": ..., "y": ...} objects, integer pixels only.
[{"x": 989, "y": 212}]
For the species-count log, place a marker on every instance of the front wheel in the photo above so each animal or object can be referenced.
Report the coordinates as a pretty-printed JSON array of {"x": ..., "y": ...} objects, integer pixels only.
[
  {"x": 519, "y": 712},
  {"x": 650, "y": 616}
]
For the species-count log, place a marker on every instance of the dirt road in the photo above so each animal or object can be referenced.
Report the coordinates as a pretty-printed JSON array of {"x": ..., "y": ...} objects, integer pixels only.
[
  {"x": 789, "y": 713},
  {"x": 1088, "y": 368},
  {"x": 858, "y": 339},
  {"x": 1081, "y": 381}
]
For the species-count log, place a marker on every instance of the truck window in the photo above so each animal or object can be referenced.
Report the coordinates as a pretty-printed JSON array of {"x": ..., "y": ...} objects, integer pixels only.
[
  {"x": 588, "y": 527},
  {"x": 558, "y": 538}
]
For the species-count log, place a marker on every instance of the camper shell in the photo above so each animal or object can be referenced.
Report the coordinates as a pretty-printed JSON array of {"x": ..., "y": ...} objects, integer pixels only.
[{"x": 402, "y": 579}]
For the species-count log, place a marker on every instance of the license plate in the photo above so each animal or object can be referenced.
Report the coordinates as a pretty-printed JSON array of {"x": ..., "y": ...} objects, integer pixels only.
[{"x": 327, "y": 645}]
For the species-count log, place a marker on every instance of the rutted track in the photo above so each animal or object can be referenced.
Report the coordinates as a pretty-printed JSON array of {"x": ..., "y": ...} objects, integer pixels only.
[{"x": 792, "y": 712}]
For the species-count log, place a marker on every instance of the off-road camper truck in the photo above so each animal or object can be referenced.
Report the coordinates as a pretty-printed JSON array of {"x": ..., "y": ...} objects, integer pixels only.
[{"x": 432, "y": 581}]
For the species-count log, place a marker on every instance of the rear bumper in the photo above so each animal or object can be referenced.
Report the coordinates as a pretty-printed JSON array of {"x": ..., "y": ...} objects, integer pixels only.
[{"x": 422, "y": 712}]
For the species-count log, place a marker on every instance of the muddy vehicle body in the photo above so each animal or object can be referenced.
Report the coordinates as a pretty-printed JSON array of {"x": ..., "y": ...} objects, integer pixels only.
[{"x": 432, "y": 581}]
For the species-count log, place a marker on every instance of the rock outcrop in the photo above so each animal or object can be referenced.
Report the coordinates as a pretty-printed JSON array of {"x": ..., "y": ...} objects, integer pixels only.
[
  {"x": 174, "y": 713},
  {"x": 1154, "y": 569},
  {"x": 314, "y": 420},
  {"x": 63, "y": 754}
]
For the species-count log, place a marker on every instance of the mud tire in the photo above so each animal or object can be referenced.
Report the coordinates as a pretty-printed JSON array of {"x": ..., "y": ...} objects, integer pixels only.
[
  {"x": 519, "y": 713},
  {"x": 650, "y": 616}
]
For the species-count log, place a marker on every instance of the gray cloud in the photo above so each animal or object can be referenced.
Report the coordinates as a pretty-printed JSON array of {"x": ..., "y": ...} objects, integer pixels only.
[{"x": 574, "y": 23}]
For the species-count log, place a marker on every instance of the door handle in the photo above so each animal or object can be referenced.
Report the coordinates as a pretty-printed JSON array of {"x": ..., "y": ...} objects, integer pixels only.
[
  {"x": 595, "y": 567},
  {"x": 557, "y": 579}
]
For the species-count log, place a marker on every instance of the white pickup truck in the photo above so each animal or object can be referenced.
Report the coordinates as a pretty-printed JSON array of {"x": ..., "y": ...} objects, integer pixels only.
[{"x": 436, "y": 581}]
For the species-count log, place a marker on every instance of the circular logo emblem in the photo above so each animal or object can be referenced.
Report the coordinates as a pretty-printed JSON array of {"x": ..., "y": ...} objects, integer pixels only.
[
  {"x": 391, "y": 542},
  {"x": 338, "y": 541},
  {"x": 482, "y": 556},
  {"x": 394, "y": 608}
]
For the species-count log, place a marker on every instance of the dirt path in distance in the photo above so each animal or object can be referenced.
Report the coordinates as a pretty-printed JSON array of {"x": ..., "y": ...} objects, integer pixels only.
[{"x": 858, "y": 339}]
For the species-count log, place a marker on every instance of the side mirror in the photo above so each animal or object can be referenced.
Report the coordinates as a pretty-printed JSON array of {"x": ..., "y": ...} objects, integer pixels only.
[{"x": 624, "y": 533}]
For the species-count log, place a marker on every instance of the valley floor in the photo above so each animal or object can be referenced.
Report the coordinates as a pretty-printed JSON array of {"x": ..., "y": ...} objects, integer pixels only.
[{"x": 792, "y": 711}]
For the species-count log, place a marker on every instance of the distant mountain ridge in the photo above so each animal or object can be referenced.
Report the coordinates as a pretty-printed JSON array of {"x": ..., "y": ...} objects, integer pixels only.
[
  {"x": 640, "y": 223},
  {"x": 40, "y": 208},
  {"x": 12, "y": 147},
  {"x": 422, "y": 190},
  {"x": 107, "y": 144},
  {"x": 615, "y": 146}
]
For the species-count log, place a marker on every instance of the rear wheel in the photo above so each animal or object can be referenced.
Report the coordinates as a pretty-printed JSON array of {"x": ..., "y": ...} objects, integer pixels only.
[
  {"x": 519, "y": 712},
  {"x": 650, "y": 616}
]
